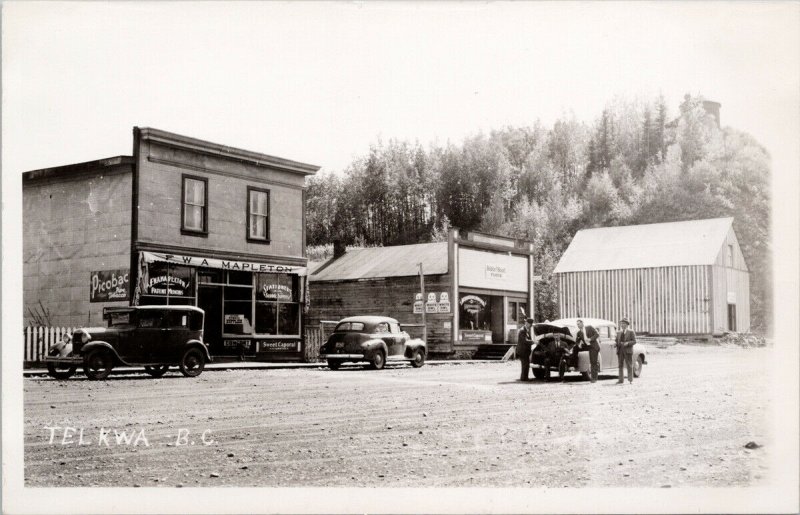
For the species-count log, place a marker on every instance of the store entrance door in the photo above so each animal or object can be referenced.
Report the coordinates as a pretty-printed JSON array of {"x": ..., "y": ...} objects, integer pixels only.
[{"x": 209, "y": 299}]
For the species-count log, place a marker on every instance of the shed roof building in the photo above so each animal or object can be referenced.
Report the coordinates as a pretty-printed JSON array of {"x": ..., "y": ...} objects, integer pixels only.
[{"x": 686, "y": 277}]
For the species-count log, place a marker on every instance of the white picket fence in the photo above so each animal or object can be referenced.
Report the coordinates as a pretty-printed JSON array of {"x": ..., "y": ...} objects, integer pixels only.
[{"x": 39, "y": 339}]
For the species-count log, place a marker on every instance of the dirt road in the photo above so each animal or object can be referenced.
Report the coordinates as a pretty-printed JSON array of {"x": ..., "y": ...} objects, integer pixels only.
[{"x": 684, "y": 423}]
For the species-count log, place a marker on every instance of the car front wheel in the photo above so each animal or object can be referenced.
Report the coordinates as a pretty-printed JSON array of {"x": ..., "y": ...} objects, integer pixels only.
[
  {"x": 378, "y": 360},
  {"x": 156, "y": 370},
  {"x": 192, "y": 363},
  {"x": 419, "y": 358},
  {"x": 637, "y": 366},
  {"x": 98, "y": 364},
  {"x": 60, "y": 371}
]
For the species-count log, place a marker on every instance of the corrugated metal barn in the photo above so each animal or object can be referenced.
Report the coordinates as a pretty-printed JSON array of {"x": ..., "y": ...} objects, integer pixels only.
[{"x": 669, "y": 279}]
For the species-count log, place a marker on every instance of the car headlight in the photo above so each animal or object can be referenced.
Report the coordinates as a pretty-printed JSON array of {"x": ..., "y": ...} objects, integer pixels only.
[{"x": 85, "y": 337}]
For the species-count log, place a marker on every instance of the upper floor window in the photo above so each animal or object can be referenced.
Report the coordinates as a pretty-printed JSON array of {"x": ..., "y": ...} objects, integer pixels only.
[
  {"x": 195, "y": 204},
  {"x": 257, "y": 214}
]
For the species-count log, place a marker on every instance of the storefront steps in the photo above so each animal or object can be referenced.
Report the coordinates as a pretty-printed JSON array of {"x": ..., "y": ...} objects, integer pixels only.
[{"x": 494, "y": 351}]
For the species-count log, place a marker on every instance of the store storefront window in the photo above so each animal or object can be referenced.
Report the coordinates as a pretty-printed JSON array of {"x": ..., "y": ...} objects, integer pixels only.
[
  {"x": 169, "y": 284},
  {"x": 475, "y": 312},
  {"x": 238, "y": 304},
  {"x": 517, "y": 311},
  {"x": 277, "y": 304}
]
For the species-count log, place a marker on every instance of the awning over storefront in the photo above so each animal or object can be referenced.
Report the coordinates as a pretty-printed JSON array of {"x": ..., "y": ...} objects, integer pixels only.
[{"x": 225, "y": 264}]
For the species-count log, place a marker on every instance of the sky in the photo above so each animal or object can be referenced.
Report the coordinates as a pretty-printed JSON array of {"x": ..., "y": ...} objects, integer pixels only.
[{"x": 319, "y": 83}]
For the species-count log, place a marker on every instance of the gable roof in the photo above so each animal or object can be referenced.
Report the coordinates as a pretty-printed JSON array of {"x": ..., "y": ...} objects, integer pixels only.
[
  {"x": 375, "y": 262},
  {"x": 693, "y": 242}
]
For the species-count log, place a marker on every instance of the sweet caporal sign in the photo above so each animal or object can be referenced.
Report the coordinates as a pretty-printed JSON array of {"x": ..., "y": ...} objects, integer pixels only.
[{"x": 109, "y": 285}]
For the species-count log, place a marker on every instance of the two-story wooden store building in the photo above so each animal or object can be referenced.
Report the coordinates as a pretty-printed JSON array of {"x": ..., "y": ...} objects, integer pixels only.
[
  {"x": 476, "y": 286},
  {"x": 181, "y": 221}
]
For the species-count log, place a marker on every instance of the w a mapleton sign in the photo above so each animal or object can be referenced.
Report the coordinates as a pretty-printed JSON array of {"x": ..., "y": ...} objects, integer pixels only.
[{"x": 225, "y": 264}]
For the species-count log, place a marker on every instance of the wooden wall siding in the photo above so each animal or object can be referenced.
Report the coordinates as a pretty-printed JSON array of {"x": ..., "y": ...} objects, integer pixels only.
[
  {"x": 738, "y": 257},
  {"x": 392, "y": 296},
  {"x": 666, "y": 300},
  {"x": 724, "y": 280}
]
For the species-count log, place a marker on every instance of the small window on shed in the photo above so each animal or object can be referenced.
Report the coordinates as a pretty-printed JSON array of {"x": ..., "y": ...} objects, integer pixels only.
[{"x": 729, "y": 259}]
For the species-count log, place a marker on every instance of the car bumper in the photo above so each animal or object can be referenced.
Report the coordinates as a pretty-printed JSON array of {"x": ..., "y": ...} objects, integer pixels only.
[
  {"x": 341, "y": 356},
  {"x": 69, "y": 360}
]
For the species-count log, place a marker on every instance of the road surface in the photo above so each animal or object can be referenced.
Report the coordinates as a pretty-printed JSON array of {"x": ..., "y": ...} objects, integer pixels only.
[{"x": 685, "y": 422}]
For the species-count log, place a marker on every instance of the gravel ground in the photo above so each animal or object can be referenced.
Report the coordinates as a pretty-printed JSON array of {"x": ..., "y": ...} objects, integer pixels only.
[{"x": 685, "y": 422}]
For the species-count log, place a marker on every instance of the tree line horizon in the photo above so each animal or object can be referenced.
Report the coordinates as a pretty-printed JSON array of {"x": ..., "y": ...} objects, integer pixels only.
[{"x": 634, "y": 164}]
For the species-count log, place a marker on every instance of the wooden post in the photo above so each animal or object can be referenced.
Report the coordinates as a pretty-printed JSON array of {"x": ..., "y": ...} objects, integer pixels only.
[{"x": 422, "y": 289}]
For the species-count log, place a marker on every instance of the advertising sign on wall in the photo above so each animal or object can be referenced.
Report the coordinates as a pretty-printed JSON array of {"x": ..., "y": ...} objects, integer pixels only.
[
  {"x": 109, "y": 285},
  {"x": 418, "y": 303},
  {"x": 481, "y": 269}
]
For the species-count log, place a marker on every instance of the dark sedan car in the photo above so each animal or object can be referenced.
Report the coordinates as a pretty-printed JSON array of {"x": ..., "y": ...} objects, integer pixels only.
[
  {"x": 373, "y": 339},
  {"x": 155, "y": 337}
]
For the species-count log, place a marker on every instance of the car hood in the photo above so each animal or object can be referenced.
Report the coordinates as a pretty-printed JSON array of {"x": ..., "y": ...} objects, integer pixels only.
[{"x": 545, "y": 328}]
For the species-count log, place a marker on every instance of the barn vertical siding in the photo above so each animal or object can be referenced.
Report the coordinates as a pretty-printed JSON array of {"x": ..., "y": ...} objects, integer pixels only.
[{"x": 667, "y": 300}]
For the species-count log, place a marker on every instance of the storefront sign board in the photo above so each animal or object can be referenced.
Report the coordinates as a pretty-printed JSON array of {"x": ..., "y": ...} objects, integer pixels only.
[
  {"x": 225, "y": 264},
  {"x": 481, "y": 269},
  {"x": 109, "y": 285}
]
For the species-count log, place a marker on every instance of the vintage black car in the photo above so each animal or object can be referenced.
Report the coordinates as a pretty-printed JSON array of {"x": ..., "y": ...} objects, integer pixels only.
[
  {"x": 155, "y": 337},
  {"x": 373, "y": 339},
  {"x": 556, "y": 349}
]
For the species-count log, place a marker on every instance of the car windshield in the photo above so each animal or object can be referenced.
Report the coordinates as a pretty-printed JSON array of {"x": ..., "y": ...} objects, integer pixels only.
[{"x": 350, "y": 326}]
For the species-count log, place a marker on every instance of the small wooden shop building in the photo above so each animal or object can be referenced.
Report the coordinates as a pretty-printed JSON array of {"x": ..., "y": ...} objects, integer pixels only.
[
  {"x": 678, "y": 278},
  {"x": 476, "y": 286}
]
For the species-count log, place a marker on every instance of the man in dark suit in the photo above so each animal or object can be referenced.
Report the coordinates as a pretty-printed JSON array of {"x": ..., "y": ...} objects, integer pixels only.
[
  {"x": 523, "y": 349},
  {"x": 593, "y": 345},
  {"x": 625, "y": 341}
]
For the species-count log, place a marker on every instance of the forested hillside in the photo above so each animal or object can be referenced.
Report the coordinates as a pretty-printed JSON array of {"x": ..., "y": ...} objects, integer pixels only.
[{"x": 636, "y": 163}]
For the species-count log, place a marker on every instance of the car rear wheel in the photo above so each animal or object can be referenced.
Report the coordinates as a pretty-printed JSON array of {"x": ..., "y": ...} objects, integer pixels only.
[
  {"x": 156, "y": 370},
  {"x": 378, "y": 360},
  {"x": 334, "y": 364},
  {"x": 192, "y": 363},
  {"x": 419, "y": 358},
  {"x": 637, "y": 366},
  {"x": 98, "y": 364}
]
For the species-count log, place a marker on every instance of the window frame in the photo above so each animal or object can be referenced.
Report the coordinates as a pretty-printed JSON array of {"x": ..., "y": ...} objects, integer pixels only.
[
  {"x": 268, "y": 216},
  {"x": 185, "y": 230}
]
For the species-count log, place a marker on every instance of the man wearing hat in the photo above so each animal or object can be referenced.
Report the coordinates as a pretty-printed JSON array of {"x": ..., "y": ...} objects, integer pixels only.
[
  {"x": 626, "y": 339},
  {"x": 523, "y": 349},
  {"x": 590, "y": 333}
]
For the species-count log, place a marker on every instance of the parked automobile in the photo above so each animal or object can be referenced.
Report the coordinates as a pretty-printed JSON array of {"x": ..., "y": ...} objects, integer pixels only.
[
  {"x": 373, "y": 339},
  {"x": 556, "y": 348},
  {"x": 156, "y": 337}
]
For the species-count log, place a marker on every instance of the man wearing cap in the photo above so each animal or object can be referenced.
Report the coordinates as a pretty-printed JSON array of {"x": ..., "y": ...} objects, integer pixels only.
[
  {"x": 626, "y": 339},
  {"x": 593, "y": 345},
  {"x": 523, "y": 349}
]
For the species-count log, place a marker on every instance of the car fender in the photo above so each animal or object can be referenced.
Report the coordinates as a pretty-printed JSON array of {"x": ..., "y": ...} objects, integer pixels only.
[
  {"x": 97, "y": 344},
  {"x": 415, "y": 344},
  {"x": 199, "y": 344},
  {"x": 372, "y": 346}
]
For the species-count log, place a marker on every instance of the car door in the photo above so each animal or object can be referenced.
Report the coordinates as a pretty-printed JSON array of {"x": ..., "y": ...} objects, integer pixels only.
[
  {"x": 399, "y": 339},
  {"x": 608, "y": 353},
  {"x": 174, "y": 339},
  {"x": 147, "y": 336},
  {"x": 382, "y": 331}
]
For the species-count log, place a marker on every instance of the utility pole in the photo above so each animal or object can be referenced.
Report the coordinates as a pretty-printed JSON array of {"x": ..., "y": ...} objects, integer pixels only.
[{"x": 424, "y": 304}]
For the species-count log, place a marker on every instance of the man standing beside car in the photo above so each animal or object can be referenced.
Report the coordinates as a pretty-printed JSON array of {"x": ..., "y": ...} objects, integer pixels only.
[
  {"x": 626, "y": 339},
  {"x": 594, "y": 347},
  {"x": 523, "y": 349}
]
